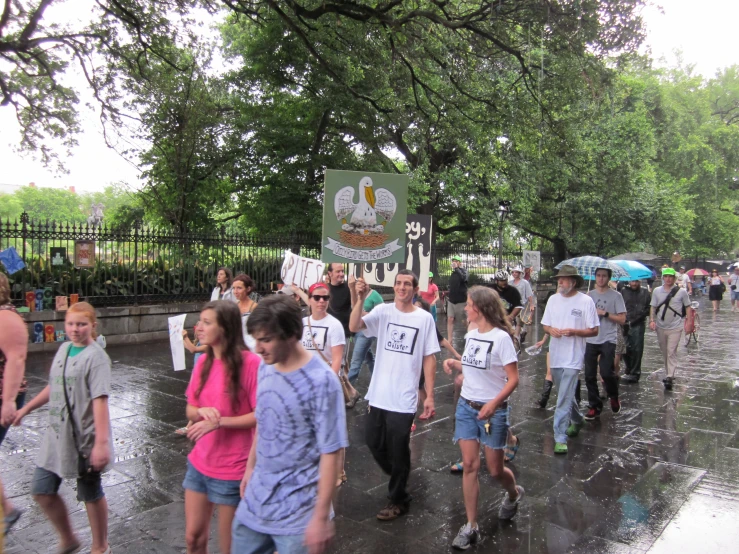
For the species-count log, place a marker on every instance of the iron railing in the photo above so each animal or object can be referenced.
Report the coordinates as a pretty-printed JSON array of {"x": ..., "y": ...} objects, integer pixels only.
[{"x": 146, "y": 265}]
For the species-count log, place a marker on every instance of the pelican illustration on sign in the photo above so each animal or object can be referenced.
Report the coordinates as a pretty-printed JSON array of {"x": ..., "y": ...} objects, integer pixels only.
[
  {"x": 368, "y": 216},
  {"x": 363, "y": 229}
]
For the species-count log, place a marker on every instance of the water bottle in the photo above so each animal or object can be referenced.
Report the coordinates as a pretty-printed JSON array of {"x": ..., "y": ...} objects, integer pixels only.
[{"x": 533, "y": 350}]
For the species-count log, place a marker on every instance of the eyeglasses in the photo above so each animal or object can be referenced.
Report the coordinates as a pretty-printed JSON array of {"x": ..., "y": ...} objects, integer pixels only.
[{"x": 319, "y": 297}]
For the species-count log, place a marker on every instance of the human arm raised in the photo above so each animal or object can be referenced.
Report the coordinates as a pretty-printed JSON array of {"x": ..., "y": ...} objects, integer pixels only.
[{"x": 355, "y": 319}]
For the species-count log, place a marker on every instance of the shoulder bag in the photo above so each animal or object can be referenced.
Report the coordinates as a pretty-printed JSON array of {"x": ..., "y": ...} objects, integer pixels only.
[{"x": 84, "y": 467}]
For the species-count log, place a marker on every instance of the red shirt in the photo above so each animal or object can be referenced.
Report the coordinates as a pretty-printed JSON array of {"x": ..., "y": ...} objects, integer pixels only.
[
  {"x": 430, "y": 294},
  {"x": 222, "y": 453}
]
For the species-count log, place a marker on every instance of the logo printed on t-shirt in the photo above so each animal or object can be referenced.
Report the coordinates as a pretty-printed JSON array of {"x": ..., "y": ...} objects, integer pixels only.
[
  {"x": 400, "y": 338},
  {"x": 318, "y": 339},
  {"x": 576, "y": 313},
  {"x": 476, "y": 353}
]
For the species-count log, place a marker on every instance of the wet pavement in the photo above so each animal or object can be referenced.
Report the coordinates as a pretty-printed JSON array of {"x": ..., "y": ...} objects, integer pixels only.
[{"x": 661, "y": 475}]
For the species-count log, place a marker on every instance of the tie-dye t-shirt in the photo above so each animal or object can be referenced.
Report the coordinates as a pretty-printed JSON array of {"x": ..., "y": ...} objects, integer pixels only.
[{"x": 300, "y": 415}]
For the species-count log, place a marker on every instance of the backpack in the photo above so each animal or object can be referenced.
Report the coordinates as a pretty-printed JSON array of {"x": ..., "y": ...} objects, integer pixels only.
[{"x": 666, "y": 304}]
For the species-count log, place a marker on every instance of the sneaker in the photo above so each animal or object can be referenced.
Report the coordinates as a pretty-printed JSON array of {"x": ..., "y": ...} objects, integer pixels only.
[
  {"x": 509, "y": 508},
  {"x": 667, "y": 381},
  {"x": 392, "y": 511},
  {"x": 574, "y": 429},
  {"x": 466, "y": 537},
  {"x": 560, "y": 448},
  {"x": 10, "y": 519},
  {"x": 615, "y": 405},
  {"x": 629, "y": 379},
  {"x": 592, "y": 414}
]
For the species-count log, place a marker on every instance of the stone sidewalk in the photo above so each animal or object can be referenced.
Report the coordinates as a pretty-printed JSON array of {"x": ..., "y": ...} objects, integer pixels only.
[{"x": 630, "y": 483}]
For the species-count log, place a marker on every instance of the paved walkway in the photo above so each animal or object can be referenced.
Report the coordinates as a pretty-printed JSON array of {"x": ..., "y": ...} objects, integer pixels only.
[{"x": 632, "y": 482}]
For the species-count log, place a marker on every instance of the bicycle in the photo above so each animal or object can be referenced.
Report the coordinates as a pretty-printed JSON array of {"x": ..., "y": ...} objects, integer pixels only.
[{"x": 692, "y": 324}]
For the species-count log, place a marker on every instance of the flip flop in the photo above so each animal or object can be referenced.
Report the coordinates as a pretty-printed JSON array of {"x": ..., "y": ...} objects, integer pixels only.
[
  {"x": 511, "y": 451},
  {"x": 457, "y": 468},
  {"x": 181, "y": 431}
]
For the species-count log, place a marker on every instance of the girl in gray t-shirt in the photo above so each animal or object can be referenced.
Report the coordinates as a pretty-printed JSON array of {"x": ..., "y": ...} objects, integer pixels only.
[{"x": 78, "y": 442}]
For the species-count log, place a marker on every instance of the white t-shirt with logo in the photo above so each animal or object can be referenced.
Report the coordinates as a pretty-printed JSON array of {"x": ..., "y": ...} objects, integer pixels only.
[
  {"x": 327, "y": 333},
  {"x": 483, "y": 361},
  {"x": 575, "y": 312},
  {"x": 403, "y": 339}
]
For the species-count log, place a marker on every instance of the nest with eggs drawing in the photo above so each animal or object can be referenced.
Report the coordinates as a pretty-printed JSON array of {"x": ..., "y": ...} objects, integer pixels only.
[{"x": 363, "y": 240}]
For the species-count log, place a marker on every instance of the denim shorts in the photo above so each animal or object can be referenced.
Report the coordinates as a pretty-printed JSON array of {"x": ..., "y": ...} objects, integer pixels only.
[
  {"x": 247, "y": 541},
  {"x": 89, "y": 487},
  {"x": 735, "y": 294},
  {"x": 219, "y": 491},
  {"x": 468, "y": 427}
]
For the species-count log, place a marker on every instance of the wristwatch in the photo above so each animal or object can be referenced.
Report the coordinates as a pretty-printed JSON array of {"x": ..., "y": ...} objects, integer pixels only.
[{"x": 606, "y": 315}]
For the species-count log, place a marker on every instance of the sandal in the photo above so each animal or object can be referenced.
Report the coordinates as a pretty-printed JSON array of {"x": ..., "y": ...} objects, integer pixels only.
[
  {"x": 457, "y": 468},
  {"x": 353, "y": 400},
  {"x": 510, "y": 451},
  {"x": 342, "y": 479},
  {"x": 432, "y": 414},
  {"x": 181, "y": 431}
]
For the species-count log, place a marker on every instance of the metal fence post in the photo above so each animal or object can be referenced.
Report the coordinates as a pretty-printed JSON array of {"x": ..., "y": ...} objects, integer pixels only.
[
  {"x": 24, "y": 233},
  {"x": 136, "y": 225}
]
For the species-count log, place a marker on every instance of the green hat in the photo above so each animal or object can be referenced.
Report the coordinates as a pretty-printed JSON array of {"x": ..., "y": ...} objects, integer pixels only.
[
  {"x": 457, "y": 258},
  {"x": 431, "y": 274},
  {"x": 668, "y": 271}
]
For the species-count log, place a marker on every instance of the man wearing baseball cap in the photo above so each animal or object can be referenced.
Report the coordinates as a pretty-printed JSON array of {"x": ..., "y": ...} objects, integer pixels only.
[
  {"x": 457, "y": 299},
  {"x": 668, "y": 308},
  {"x": 569, "y": 318}
]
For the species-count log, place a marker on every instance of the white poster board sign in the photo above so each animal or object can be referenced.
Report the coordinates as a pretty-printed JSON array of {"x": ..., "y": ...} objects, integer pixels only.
[
  {"x": 176, "y": 341},
  {"x": 532, "y": 259},
  {"x": 301, "y": 272}
]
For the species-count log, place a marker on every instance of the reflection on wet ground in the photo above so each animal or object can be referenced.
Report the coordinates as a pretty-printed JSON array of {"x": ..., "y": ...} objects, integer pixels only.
[{"x": 661, "y": 475}]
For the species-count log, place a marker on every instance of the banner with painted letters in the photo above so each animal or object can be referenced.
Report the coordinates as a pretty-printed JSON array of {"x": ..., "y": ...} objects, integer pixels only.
[
  {"x": 301, "y": 272},
  {"x": 417, "y": 256}
]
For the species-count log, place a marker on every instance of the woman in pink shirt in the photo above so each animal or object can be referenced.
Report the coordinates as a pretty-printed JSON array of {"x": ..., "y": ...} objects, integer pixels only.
[
  {"x": 221, "y": 399},
  {"x": 431, "y": 295}
]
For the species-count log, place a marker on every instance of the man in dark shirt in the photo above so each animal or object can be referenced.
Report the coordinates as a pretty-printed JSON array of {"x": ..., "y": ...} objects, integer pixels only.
[
  {"x": 457, "y": 298},
  {"x": 340, "y": 304},
  {"x": 509, "y": 295},
  {"x": 637, "y": 302}
]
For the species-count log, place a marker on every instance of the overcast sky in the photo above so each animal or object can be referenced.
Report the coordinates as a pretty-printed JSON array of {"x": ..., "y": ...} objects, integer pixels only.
[{"x": 701, "y": 30}]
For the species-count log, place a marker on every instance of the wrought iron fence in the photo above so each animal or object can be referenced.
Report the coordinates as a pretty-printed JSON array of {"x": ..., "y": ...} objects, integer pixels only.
[
  {"x": 140, "y": 265},
  {"x": 145, "y": 265}
]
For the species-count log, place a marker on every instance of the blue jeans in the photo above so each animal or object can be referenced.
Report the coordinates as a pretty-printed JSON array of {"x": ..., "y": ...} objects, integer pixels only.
[
  {"x": 362, "y": 350},
  {"x": 567, "y": 410},
  {"x": 248, "y": 541}
]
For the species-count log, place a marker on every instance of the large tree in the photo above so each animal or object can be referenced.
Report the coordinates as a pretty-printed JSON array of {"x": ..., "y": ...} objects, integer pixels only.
[{"x": 39, "y": 44}]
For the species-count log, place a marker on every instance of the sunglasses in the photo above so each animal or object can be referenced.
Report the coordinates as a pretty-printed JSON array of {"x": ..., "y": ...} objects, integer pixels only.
[{"x": 319, "y": 297}]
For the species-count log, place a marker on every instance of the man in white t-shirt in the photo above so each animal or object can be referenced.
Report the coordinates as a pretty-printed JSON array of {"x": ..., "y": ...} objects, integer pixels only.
[
  {"x": 406, "y": 345},
  {"x": 683, "y": 281},
  {"x": 528, "y": 300},
  {"x": 569, "y": 318}
]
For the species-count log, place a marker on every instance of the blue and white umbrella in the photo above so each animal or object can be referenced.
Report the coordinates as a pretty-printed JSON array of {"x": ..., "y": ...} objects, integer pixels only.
[
  {"x": 586, "y": 266},
  {"x": 636, "y": 271}
]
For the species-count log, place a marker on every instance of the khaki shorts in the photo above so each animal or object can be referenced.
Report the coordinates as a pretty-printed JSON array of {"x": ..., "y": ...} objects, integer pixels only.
[
  {"x": 620, "y": 341},
  {"x": 455, "y": 311}
]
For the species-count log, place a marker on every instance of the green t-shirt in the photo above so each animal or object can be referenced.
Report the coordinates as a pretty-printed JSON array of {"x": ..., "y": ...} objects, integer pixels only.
[
  {"x": 74, "y": 350},
  {"x": 373, "y": 299}
]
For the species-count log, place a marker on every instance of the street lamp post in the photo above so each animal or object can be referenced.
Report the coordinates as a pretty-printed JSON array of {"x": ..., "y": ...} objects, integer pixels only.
[{"x": 504, "y": 210}]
